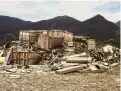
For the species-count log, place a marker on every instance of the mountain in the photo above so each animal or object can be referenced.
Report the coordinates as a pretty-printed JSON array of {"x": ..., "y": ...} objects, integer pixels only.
[
  {"x": 8, "y": 23},
  {"x": 118, "y": 23},
  {"x": 97, "y": 26},
  {"x": 59, "y": 22},
  {"x": 12, "y": 25}
]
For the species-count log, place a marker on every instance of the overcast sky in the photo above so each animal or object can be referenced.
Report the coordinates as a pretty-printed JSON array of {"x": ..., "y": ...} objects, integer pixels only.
[{"x": 41, "y": 10}]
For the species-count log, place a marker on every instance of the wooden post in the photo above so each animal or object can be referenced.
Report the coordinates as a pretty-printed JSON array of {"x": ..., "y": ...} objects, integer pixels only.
[
  {"x": 16, "y": 57},
  {"x": 19, "y": 58},
  {"x": 23, "y": 58},
  {"x": 27, "y": 58}
]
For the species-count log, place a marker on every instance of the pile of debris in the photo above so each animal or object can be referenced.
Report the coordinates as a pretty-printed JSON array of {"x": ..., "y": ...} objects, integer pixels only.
[
  {"x": 61, "y": 62},
  {"x": 60, "y": 51},
  {"x": 97, "y": 60}
]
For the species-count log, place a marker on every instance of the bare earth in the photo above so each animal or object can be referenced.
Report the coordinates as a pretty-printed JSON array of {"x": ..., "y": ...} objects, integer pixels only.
[{"x": 48, "y": 81}]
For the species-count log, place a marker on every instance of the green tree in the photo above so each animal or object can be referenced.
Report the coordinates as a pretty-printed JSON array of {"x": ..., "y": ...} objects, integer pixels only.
[{"x": 9, "y": 37}]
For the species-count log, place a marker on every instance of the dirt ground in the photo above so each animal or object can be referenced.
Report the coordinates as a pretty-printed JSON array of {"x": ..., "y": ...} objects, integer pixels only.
[{"x": 107, "y": 81}]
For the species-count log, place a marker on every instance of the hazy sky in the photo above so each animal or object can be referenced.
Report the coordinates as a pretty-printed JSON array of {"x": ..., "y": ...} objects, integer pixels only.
[{"x": 45, "y": 9}]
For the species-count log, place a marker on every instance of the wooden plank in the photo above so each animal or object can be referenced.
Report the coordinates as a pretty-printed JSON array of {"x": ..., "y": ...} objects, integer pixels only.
[
  {"x": 19, "y": 58},
  {"x": 77, "y": 55},
  {"x": 69, "y": 69},
  {"x": 26, "y": 61},
  {"x": 78, "y": 60},
  {"x": 8, "y": 57},
  {"x": 23, "y": 58},
  {"x": 26, "y": 57}
]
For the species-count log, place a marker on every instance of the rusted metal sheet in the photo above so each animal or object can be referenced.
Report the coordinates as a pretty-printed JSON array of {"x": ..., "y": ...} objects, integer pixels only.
[{"x": 46, "y": 42}]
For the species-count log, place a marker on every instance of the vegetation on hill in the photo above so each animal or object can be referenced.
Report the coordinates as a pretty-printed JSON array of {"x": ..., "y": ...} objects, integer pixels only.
[{"x": 97, "y": 26}]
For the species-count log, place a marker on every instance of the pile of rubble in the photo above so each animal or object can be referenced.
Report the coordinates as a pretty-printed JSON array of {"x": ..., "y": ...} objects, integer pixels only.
[
  {"x": 96, "y": 60},
  {"x": 61, "y": 61}
]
